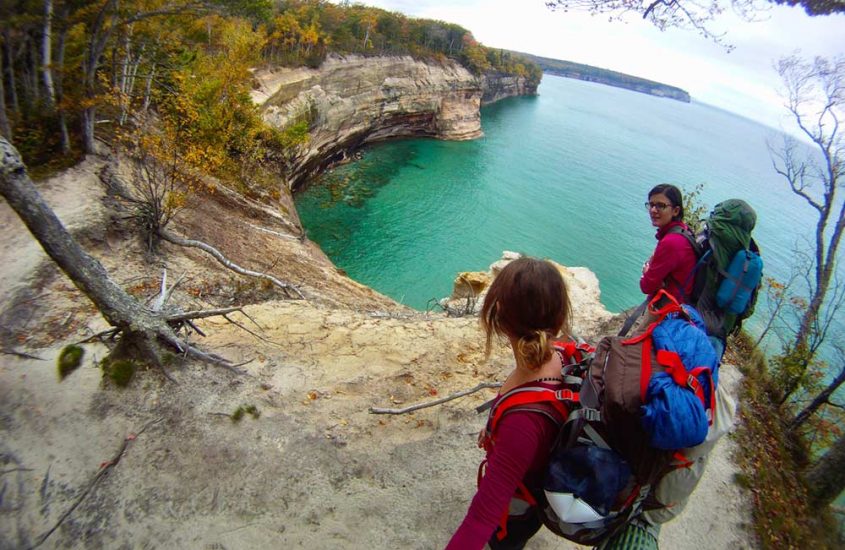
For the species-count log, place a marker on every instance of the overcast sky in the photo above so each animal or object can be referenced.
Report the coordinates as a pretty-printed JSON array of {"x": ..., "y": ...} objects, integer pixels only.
[{"x": 742, "y": 81}]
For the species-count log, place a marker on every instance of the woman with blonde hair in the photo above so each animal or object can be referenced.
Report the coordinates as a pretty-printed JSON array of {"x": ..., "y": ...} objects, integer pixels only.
[{"x": 528, "y": 305}]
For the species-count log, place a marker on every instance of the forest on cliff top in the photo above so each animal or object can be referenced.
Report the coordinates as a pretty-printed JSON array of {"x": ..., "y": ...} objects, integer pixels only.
[{"x": 176, "y": 74}]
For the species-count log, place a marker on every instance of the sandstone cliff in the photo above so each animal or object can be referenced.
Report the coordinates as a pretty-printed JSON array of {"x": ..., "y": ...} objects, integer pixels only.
[
  {"x": 496, "y": 86},
  {"x": 351, "y": 101}
]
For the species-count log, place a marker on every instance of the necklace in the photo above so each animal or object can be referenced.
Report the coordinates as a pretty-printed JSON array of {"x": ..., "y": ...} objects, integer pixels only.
[{"x": 549, "y": 379}]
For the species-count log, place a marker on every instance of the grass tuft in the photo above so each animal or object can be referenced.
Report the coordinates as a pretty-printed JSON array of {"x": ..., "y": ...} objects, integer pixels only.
[{"x": 239, "y": 413}]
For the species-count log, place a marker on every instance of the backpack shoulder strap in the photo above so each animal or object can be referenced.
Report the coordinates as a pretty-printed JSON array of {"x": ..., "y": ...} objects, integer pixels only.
[
  {"x": 527, "y": 398},
  {"x": 697, "y": 249},
  {"x": 689, "y": 236}
]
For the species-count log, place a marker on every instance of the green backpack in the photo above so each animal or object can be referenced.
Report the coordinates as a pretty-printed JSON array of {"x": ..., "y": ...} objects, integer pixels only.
[{"x": 725, "y": 238}]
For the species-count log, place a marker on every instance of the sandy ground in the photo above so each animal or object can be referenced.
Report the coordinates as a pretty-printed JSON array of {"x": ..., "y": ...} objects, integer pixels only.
[{"x": 315, "y": 470}]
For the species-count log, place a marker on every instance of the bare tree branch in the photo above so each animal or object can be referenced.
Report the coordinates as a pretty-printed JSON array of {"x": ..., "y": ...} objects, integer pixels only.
[
  {"x": 201, "y": 314},
  {"x": 5, "y": 351},
  {"x": 167, "y": 236},
  {"x": 105, "y": 468},
  {"x": 412, "y": 408}
]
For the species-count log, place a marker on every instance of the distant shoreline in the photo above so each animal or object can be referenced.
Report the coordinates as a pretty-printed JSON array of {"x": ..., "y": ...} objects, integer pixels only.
[{"x": 568, "y": 69}]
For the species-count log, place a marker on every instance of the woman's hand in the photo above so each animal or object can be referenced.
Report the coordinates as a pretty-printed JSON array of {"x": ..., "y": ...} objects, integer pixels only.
[{"x": 646, "y": 265}]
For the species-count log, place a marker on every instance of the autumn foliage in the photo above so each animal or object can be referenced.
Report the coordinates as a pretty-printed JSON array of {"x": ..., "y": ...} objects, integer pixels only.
[{"x": 79, "y": 72}]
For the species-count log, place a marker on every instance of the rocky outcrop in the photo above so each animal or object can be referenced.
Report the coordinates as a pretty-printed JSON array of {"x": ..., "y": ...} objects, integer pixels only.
[
  {"x": 351, "y": 101},
  {"x": 589, "y": 316},
  {"x": 498, "y": 86}
]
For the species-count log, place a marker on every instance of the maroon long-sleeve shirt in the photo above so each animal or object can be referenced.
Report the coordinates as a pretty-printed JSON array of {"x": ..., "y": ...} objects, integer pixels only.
[
  {"x": 520, "y": 454},
  {"x": 670, "y": 265}
]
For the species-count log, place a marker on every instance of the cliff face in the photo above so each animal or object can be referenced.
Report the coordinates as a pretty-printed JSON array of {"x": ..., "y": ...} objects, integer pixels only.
[
  {"x": 351, "y": 101},
  {"x": 498, "y": 86}
]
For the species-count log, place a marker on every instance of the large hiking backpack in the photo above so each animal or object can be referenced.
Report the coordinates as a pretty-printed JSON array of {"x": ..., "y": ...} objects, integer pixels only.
[
  {"x": 603, "y": 468},
  {"x": 729, "y": 269}
]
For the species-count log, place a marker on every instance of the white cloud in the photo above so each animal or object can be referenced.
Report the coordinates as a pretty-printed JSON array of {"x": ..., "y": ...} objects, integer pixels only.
[{"x": 742, "y": 81}]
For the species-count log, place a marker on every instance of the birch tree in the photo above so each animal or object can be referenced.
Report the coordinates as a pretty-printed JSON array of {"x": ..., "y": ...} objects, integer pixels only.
[{"x": 814, "y": 92}]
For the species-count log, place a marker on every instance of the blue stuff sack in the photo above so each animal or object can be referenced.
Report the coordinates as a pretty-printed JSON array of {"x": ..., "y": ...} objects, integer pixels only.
[
  {"x": 690, "y": 342},
  {"x": 740, "y": 279},
  {"x": 673, "y": 416},
  {"x": 593, "y": 474}
]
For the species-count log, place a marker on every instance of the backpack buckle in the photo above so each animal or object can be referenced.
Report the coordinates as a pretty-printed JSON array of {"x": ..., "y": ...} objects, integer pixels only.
[
  {"x": 566, "y": 395},
  {"x": 692, "y": 383},
  {"x": 591, "y": 415}
]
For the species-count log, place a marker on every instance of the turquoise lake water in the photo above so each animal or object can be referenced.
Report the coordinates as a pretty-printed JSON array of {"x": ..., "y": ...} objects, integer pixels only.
[{"x": 561, "y": 175}]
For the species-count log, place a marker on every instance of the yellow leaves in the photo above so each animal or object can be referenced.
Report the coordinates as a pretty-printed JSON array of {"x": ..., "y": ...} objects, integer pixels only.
[{"x": 175, "y": 200}]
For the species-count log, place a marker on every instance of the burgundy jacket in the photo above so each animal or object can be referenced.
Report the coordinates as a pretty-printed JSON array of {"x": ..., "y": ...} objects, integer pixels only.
[
  {"x": 521, "y": 453},
  {"x": 670, "y": 265}
]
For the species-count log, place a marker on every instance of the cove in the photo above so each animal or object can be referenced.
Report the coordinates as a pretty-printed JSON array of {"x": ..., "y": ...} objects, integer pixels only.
[{"x": 561, "y": 175}]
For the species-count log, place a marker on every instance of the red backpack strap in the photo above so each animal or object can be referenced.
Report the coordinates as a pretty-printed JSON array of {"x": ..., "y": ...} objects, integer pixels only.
[
  {"x": 663, "y": 304},
  {"x": 523, "y": 493},
  {"x": 530, "y": 395},
  {"x": 573, "y": 352},
  {"x": 660, "y": 306}
]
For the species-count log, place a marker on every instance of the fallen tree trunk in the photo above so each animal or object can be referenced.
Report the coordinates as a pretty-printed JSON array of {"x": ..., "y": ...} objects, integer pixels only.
[{"x": 142, "y": 330}]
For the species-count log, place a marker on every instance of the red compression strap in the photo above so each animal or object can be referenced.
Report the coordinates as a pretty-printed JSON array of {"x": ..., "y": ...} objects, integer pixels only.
[
  {"x": 683, "y": 461},
  {"x": 695, "y": 372},
  {"x": 503, "y": 526},
  {"x": 634, "y": 493},
  {"x": 672, "y": 307},
  {"x": 523, "y": 493},
  {"x": 674, "y": 367}
]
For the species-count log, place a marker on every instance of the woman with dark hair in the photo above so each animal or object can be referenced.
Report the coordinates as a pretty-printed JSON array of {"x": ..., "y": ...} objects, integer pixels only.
[
  {"x": 529, "y": 306},
  {"x": 674, "y": 257}
]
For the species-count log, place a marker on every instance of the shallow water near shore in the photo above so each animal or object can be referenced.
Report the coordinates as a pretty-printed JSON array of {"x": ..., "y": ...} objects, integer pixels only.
[{"x": 561, "y": 175}]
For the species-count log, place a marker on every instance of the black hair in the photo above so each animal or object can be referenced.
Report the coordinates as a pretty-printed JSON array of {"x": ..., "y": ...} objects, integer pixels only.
[{"x": 673, "y": 194}]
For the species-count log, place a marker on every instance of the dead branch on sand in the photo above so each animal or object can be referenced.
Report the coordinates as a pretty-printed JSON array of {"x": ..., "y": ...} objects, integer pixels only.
[
  {"x": 20, "y": 354},
  {"x": 217, "y": 255},
  {"x": 412, "y": 408},
  {"x": 105, "y": 468}
]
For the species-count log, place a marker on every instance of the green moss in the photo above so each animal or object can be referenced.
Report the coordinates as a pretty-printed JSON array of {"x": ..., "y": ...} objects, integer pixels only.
[
  {"x": 119, "y": 371},
  {"x": 69, "y": 360},
  {"x": 239, "y": 413},
  {"x": 743, "y": 481},
  {"x": 253, "y": 411}
]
